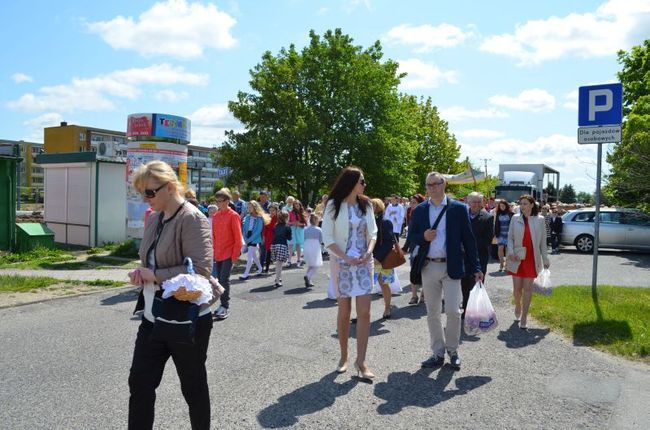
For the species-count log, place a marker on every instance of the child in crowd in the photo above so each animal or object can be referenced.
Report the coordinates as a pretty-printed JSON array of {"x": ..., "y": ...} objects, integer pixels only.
[
  {"x": 312, "y": 251},
  {"x": 279, "y": 246}
]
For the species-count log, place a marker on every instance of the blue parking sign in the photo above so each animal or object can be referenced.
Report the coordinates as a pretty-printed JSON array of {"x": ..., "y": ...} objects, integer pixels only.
[{"x": 600, "y": 105}]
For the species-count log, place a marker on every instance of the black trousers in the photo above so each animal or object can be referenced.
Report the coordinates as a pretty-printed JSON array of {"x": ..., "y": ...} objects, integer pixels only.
[
  {"x": 555, "y": 241},
  {"x": 149, "y": 359},
  {"x": 223, "y": 269}
]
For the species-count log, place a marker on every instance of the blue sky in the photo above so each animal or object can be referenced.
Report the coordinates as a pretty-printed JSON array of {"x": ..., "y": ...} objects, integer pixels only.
[{"x": 503, "y": 73}]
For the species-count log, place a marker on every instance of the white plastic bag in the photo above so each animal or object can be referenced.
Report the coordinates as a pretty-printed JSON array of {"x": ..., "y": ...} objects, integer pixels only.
[
  {"x": 479, "y": 315},
  {"x": 542, "y": 284}
]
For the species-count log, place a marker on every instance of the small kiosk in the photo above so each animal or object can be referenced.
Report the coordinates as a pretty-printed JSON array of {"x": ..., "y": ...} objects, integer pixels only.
[{"x": 85, "y": 198}]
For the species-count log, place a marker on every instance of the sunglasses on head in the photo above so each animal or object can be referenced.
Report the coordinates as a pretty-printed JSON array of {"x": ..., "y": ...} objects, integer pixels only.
[{"x": 150, "y": 194}]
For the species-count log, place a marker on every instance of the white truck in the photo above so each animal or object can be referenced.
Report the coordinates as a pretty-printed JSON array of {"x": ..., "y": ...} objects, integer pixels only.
[{"x": 516, "y": 180}]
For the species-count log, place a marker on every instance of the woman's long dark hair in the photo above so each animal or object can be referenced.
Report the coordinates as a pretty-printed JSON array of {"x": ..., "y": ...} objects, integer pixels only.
[
  {"x": 535, "y": 209},
  {"x": 343, "y": 186},
  {"x": 508, "y": 210}
]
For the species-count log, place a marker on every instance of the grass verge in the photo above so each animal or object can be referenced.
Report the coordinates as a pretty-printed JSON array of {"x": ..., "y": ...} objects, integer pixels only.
[
  {"x": 617, "y": 322},
  {"x": 34, "y": 258},
  {"x": 18, "y": 284}
]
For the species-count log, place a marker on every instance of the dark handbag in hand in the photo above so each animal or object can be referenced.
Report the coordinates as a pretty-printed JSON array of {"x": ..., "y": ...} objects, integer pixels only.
[{"x": 174, "y": 320}]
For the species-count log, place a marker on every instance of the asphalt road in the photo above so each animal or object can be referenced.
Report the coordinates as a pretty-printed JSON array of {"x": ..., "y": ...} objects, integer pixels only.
[{"x": 65, "y": 365}]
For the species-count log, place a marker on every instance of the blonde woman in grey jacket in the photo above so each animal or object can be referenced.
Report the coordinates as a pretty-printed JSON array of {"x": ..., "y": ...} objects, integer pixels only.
[
  {"x": 176, "y": 229},
  {"x": 526, "y": 254}
]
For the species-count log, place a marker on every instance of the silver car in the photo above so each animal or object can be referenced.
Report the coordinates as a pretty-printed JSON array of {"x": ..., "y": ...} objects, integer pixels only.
[{"x": 619, "y": 228}]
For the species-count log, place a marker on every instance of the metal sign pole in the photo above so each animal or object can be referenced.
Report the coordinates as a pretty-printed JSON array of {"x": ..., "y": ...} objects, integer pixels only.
[{"x": 594, "y": 278}]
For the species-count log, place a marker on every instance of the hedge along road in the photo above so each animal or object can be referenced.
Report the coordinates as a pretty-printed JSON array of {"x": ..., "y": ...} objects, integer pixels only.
[{"x": 271, "y": 363}]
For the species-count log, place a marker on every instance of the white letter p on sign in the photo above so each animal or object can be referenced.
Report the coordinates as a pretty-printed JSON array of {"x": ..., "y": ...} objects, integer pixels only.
[{"x": 593, "y": 107}]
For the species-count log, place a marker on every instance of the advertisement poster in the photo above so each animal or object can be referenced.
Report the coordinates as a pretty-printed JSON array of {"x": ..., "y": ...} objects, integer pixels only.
[
  {"x": 139, "y": 124},
  {"x": 142, "y": 152},
  {"x": 171, "y": 127}
]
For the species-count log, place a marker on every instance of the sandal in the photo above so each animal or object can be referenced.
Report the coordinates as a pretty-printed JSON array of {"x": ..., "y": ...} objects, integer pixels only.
[{"x": 413, "y": 301}]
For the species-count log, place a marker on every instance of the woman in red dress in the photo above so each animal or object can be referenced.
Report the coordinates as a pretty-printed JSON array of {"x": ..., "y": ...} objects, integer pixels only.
[{"x": 526, "y": 254}]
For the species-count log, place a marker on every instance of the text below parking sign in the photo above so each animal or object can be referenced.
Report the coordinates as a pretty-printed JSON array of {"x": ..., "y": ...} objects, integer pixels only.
[{"x": 600, "y": 113}]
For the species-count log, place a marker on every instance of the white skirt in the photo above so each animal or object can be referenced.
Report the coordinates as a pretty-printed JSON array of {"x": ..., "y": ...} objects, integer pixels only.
[{"x": 312, "y": 253}]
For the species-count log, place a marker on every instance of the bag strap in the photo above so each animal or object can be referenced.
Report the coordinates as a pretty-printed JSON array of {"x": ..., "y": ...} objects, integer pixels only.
[{"x": 442, "y": 212}]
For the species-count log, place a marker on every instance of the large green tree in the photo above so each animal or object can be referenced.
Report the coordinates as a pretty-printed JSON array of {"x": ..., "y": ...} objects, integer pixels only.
[
  {"x": 628, "y": 182},
  {"x": 567, "y": 194},
  {"x": 328, "y": 106},
  {"x": 436, "y": 148}
]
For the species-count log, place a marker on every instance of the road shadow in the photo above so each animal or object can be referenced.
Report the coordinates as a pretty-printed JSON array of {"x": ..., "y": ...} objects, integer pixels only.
[
  {"x": 514, "y": 337},
  {"x": 304, "y": 401},
  {"x": 121, "y": 297},
  {"x": 403, "y": 389},
  {"x": 377, "y": 328},
  {"x": 320, "y": 304},
  {"x": 408, "y": 312},
  {"x": 299, "y": 290},
  {"x": 265, "y": 289}
]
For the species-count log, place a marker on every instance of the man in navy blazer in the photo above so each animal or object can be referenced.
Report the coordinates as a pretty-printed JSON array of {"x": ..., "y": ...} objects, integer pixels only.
[{"x": 441, "y": 260}]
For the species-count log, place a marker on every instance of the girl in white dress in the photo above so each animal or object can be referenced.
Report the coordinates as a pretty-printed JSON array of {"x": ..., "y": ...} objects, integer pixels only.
[{"x": 312, "y": 252}]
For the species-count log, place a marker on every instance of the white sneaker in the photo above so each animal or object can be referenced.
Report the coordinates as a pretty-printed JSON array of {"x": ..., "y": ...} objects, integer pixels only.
[{"x": 221, "y": 313}]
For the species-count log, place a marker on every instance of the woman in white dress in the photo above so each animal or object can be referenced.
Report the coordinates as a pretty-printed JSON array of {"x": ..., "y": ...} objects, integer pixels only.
[{"x": 349, "y": 234}]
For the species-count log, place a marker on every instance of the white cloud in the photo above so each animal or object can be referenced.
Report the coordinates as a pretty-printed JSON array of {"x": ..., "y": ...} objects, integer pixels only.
[
  {"x": 95, "y": 94},
  {"x": 533, "y": 100},
  {"x": 576, "y": 163},
  {"x": 427, "y": 37},
  {"x": 350, "y": 6},
  {"x": 19, "y": 78},
  {"x": 479, "y": 133},
  {"x": 35, "y": 125},
  {"x": 424, "y": 75},
  {"x": 571, "y": 100},
  {"x": 616, "y": 24},
  {"x": 209, "y": 123},
  {"x": 171, "y": 96},
  {"x": 323, "y": 11},
  {"x": 174, "y": 28},
  {"x": 460, "y": 113}
]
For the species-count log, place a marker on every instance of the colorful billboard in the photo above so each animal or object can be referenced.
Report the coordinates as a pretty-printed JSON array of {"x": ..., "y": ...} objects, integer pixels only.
[{"x": 159, "y": 126}]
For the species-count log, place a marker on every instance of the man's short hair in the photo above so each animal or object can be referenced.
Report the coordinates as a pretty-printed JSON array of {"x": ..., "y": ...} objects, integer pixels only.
[
  {"x": 438, "y": 174},
  {"x": 223, "y": 194},
  {"x": 475, "y": 194}
]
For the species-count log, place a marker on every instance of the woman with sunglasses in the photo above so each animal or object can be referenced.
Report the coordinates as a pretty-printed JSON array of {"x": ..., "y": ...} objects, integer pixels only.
[
  {"x": 175, "y": 230},
  {"x": 349, "y": 233}
]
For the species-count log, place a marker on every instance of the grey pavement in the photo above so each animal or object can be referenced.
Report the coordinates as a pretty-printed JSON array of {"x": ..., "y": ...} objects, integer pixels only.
[{"x": 270, "y": 365}]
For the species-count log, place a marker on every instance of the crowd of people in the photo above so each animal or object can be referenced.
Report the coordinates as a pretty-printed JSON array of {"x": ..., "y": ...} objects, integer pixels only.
[{"x": 449, "y": 243}]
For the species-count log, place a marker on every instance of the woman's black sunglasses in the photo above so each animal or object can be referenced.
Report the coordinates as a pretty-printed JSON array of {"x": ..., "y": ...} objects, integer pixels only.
[{"x": 150, "y": 194}]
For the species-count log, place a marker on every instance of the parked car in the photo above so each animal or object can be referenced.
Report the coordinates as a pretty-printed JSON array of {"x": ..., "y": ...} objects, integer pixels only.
[{"x": 619, "y": 228}]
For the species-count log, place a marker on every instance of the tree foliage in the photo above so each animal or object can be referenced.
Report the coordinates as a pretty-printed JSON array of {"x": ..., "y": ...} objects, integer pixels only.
[
  {"x": 331, "y": 105},
  {"x": 567, "y": 194},
  {"x": 585, "y": 198},
  {"x": 628, "y": 182}
]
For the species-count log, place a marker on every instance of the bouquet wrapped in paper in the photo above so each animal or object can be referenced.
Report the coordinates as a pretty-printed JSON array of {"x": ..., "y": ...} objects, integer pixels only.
[
  {"x": 480, "y": 316},
  {"x": 189, "y": 287}
]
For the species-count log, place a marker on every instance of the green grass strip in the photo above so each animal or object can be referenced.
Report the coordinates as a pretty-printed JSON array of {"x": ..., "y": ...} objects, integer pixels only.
[
  {"x": 17, "y": 283},
  {"x": 617, "y": 322}
]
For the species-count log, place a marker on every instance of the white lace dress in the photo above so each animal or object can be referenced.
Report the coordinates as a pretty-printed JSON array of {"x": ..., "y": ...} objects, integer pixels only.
[{"x": 348, "y": 280}]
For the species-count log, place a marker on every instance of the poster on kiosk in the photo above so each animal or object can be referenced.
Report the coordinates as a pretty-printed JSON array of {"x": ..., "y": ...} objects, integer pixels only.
[{"x": 152, "y": 136}]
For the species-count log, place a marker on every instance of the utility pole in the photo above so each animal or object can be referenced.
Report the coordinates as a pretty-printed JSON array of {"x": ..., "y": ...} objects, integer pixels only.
[{"x": 485, "y": 161}]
